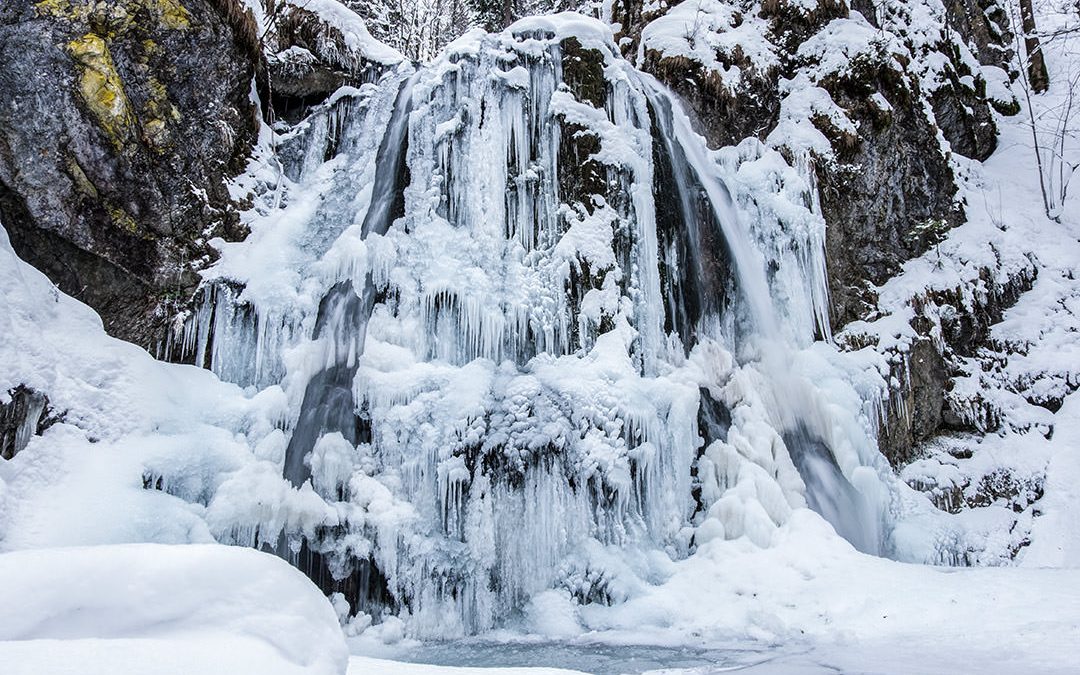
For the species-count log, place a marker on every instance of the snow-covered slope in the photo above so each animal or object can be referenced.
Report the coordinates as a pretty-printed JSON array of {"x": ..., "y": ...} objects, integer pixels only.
[
  {"x": 162, "y": 609},
  {"x": 1018, "y": 391},
  {"x": 94, "y": 479},
  {"x": 127, "y": 421}
]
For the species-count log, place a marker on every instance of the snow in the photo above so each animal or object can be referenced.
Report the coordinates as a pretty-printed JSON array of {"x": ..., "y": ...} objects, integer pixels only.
[
  {"x": 714, "y": 34},
  {"x": 809, "y": 604},
  {"x": 718, "y": 594},
  {"x": 367, "y": 665},
  {"x": 1055, "y": 538},
  {"x": 169, "y": 609},
  {"x": 837, "y": 47},
  {"x": 591, "y": 32},
  {"x": 352, "y": 29}
]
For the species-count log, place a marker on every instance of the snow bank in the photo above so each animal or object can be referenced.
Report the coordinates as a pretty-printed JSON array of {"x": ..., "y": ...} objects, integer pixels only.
[
  {"x": 1055, "y": 537},
  {"x": 143, "y": 445},
  {"x": 591, "y": 32},
  {"x": 812, "y": 587},
  {"x": 169, "y": 609},
  {"x": 703, "y": 30}
]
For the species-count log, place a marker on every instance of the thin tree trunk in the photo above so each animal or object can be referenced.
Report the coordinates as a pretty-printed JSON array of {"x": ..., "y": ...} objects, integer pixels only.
[
  {"x": 1040, "y": 80},
  {"x": 507, "y": 12}
]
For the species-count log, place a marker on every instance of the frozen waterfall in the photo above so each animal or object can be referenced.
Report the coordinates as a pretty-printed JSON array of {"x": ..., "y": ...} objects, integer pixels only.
[{"x": 520, "y": 322}]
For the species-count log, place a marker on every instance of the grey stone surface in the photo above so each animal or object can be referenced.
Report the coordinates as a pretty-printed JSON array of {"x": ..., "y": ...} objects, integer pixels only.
[{"x": 119, "y": 124}]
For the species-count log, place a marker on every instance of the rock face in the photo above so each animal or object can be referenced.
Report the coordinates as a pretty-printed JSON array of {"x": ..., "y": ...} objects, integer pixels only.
[
  {"x": 925, "y": 404},
  {"x": 310, "y": 56},
  {"x": 119, "y": 124},
  {"x": 296, "y": 73},
  {"x": 885, "y": 193},
  {"x": 26, "y": 414},
  {"x": 918, "y": 415}
]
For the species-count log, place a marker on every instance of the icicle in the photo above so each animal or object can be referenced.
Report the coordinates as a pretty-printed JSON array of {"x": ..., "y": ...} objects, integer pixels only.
[{"x": 814, "y": 265}]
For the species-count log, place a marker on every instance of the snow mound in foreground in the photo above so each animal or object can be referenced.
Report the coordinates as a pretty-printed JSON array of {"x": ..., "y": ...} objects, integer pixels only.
[{"x": 170, "y": 609}]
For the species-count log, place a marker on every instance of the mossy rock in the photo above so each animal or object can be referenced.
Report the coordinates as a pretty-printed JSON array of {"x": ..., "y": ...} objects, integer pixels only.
[
  {"x": 64, "y": 9},
  {"x": 123, "y": 220},
  {"x": 121, "y": 122},
  {"x": 156, "y": 135},
  {"x": 79, "y": 177},
  {"x": 170, "y": 12},
  {"x": 580, "y": 176}
]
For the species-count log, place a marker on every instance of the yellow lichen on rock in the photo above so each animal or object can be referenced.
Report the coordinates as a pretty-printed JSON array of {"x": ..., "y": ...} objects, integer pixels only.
[
  {"x": 173, "y": 14},
  {"x": 156, "y": 134},
  {"x": 159, "y": 104},
  {"x": 101, "y": 87},
  {"x": 78, "y": 176},
  {"x": 115, "y": 17},
  {"x": 122, "y": 219},
  {"x": 157, "y": 112},
  {"x": 63, "y": 9}
]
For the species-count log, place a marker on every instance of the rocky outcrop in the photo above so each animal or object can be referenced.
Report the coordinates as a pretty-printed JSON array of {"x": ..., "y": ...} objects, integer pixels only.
[
  {"x": 26, "y": 413},
  {"x": 915, "y": 411},
  {"x": 951, "y": 328},
  {"x": 310, "y": 55},
  {"x": 887, "y": 186},
  {"x": 887, "y": 190},
  {"x": 296, "y": 73},
  {"x": 120, "y": 123},
  {"x": 984, "y": 24},
  {"x": 961, "y": 104},
  {"x": 975, "y": 34}
]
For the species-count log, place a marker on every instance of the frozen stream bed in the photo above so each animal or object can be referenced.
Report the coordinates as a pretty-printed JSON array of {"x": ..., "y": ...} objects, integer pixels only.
[
  {"x": 533, "y": 657},
  {"x": 513, "y": 658}
]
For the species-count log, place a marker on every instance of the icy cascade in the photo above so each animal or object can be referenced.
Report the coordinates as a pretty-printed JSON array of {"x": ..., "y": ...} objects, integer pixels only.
[
  {"x": 506, "y": 331},
  {"x": 508, "y": 275},
  {"x": 693, "y": 170},
  {"x": 717, "y": 229},
  {"x": 311, "y": 185},
  {"x": 328, "y": 405}
]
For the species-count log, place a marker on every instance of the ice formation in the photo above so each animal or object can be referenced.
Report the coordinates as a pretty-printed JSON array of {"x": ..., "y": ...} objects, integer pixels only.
[{"x": 521, "y": 317}]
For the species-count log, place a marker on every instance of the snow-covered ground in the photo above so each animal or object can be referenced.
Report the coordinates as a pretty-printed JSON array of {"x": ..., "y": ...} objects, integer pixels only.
[
  {"x": 147, "y": 591},
  {"x": 150, "y": 608}
]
